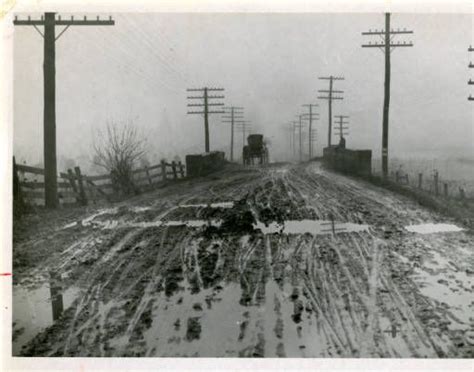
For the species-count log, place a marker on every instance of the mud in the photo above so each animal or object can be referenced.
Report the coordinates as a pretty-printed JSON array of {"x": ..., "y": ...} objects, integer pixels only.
[{"x": 227, "y": 287}]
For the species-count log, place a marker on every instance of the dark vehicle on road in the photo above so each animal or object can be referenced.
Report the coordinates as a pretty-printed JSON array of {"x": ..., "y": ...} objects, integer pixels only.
[{"x": 256, "y": 148}]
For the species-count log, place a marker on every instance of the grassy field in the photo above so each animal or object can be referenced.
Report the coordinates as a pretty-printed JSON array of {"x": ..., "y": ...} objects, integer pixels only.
[{"x": 457, "y": 172}]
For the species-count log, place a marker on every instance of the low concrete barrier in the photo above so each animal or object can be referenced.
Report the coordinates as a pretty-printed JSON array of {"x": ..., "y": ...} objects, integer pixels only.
[
  {"x": 203, "y": 164},
  {"x": 357, "y": 162}
]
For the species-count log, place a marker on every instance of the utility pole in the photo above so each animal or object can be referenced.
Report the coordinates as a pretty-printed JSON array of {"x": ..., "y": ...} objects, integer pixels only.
[
  {"x": 313, "y": 138},
  {"x": 386, "y": 45},
  {"x": 289, "y": 128},
  {"x": 205, "y": 104},
  {"x": 49, "y": 22},
  {"x": 294, "y": 125},
  {"x": 470, "y": 82},
  {"x": 311, "y": 115},
  {"x": 234, "y": 116},
  {"x": 300, "y": 126},
  {"x": 342, "y": 125},
  {"x": 330, "y": 97}
]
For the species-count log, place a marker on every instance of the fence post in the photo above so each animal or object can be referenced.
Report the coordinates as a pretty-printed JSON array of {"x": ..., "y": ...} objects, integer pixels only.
[
  {"x": 148, "y": 174},
  {"x": 72, "y": 182},
  {"x": 420, "y": 180},
  {"x": 181, "y": 168},
  {"x": 82, "y": 194},
  {"x": 163, "y": 170},
  {"x": 445, "y": 189},
  {"x": 436, "y": 186},
  {"x": 461, "y": 193},
  {"x": 17, "y": 197},
  {"x": 173, "y": 167},
  {"x": 396, "y": 176}
]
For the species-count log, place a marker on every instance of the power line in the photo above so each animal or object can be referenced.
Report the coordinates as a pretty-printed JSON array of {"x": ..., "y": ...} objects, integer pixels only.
[
  {"x": 235, "y": 113},
  {"x": 387, "y": 45},
  {"x": 49, "y": 23},
  {"x": 330, "y": 97},
  {"x": 143, "y": 37},
  {"x": 205, "y": 105}
]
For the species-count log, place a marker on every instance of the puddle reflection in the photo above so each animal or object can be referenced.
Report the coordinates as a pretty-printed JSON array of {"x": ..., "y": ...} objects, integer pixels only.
[{"x": 36, "y": 309}]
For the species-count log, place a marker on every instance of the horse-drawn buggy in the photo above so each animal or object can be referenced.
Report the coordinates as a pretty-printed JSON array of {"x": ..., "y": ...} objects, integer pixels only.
[{"x": 256, "y": 148}]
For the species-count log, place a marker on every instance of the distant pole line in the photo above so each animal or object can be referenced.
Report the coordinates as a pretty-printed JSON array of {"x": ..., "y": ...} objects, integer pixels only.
[
  {"x": 330, "y": 97},
  {"x": 299, "y": 125},
  {"x": 387, "y": 45},
  {"x": 311, "y": 115},
  {"x": 242, "y": 127},
  {"x": 294, "y": 123},
  {"x": 235, "y": 114},
  {"x": 313, "y": 138},
  {"x": 341, "y": 125},
  {"x": 206, "y": 97},
  {"x": 290, "y": 129},
  {"x": 470, "y": 82},
  {"x": 49, "y": 21}
]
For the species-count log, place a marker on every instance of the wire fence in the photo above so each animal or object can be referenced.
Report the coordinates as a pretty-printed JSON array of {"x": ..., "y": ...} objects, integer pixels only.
[{"x": 444, "y": 177}]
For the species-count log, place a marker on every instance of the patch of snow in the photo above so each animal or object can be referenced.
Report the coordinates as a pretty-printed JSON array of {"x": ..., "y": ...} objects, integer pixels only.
[
  {"x": 314, "y": 227},
  {"x": 430, "y": 228},
  {"x": 140, "y": 209},
  {"x": 69, "y": 225},
  {"x": 211, "y": 205},
  {"x": 88, "y": 221}
]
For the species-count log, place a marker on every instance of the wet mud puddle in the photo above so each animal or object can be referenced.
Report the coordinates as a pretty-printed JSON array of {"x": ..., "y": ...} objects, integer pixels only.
[{"x": 35, "y": 309}]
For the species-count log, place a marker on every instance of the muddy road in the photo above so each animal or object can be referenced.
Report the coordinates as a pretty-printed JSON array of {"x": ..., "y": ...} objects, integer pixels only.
[{"x": 288, "y": 261}]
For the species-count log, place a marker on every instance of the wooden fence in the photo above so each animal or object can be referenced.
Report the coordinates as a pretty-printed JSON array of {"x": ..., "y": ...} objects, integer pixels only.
[
  {"x": 75, "y": 187},
  {"x": 431, "y": 183}
]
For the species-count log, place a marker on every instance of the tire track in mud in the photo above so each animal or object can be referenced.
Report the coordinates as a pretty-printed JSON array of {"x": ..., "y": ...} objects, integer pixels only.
[{"x": 234, "y": 291}]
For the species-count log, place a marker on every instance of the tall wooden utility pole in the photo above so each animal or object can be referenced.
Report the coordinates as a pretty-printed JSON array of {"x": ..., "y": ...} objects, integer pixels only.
[
  {"x": 342, "y": 125},
  {"x": 386, "y": 45},
  {"x": 470, "y": 82},
  {"x": 49, "y": 22},
  {"x": 205, "y": 104},
  {"x": 234, "y": 116},
  {"x": 311, "y": 115},
  {"x": 330, "y": 97}
]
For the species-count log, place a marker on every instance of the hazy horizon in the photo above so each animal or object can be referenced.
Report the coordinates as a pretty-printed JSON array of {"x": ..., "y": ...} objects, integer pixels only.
[{"x": 140, "y": 68}]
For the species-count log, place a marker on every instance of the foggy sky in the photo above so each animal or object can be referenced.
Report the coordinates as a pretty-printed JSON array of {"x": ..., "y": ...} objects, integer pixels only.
[{"x": 140, "y": 68}]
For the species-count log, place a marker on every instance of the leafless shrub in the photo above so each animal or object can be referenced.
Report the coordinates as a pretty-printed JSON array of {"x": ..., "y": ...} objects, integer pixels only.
[{"x": 118, "y": 150}]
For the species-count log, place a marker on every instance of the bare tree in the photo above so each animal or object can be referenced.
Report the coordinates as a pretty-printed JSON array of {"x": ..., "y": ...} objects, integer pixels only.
[{"x": 118, "y": 151}]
